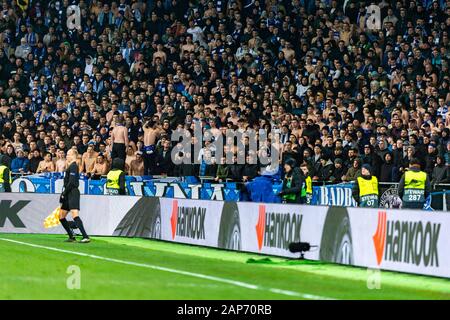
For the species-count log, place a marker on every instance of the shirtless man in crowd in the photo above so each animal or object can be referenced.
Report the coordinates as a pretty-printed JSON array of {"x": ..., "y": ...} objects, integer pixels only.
[
  {"x": 137, "y": 165},
  {"x": 88, "y": 160},
  {"x": 119, "y": 140},
  {"x": 151, "y": 133},
  {"x": 130, "y": 157},
  {"x": 101, "y": 167},
  {"x": 46, "y": 165},
  {"x": 60, "y": 161}
]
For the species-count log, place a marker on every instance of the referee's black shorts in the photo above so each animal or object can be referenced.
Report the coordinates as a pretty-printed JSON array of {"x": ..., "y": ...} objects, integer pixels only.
[{"x": 71, "y": 201}]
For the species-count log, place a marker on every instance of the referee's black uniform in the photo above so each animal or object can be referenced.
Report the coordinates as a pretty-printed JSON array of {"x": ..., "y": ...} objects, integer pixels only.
[
  {"x": 70, "y": 200},
  {"x": 71, "y": 195}
]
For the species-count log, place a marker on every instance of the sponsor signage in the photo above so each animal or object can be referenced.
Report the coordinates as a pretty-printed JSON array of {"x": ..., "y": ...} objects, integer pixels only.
[
  {"x": 276, "y": 229},
  {"x": 53, "y": 183},
  {"x": 188, "y": 222},
  {"x": 407, "y": 241}
]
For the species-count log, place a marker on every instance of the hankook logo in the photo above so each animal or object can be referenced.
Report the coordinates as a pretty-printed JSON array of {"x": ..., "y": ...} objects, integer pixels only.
[{"x": 410, "y": 242}]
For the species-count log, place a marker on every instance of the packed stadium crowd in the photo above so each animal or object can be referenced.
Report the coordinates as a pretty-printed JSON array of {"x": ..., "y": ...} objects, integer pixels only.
[{"x": 339, "y": 94}]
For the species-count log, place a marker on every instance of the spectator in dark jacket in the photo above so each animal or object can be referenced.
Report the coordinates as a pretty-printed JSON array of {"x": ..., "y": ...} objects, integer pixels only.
[
  {"x": 430, "y": 159},
  {"x": 235, "y": 170},
  {"x": 339, "y": 171},
  {"x": 292, "y": 183},
  {"x": 440, "y": 172},
  {"x": 326, "y": 169},
  {"x": 372, "y": 159},
  {"x": 251, "y": 169},
  {"x": 397, "y": 154},
  {"x": 387, "y": 169},
  {"x": 35, "y": 160},
  {"x": 164, "y": 159}
]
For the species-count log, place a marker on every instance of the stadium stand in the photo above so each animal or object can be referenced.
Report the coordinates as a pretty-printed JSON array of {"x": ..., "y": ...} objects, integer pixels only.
[{"x": 312, "y": 71}]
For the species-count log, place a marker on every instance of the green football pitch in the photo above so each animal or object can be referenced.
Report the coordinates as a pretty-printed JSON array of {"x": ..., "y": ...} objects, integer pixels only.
[{"x": 45, "y": 267}]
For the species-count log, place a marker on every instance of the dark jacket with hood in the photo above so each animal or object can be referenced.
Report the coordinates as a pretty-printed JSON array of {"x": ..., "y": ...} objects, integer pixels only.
[
  {"x": 386, "y": 172},
  {"x": 296, "y": 184},
  {"x": 326, "y": 172},
  {"x": 440, "y": 174}
]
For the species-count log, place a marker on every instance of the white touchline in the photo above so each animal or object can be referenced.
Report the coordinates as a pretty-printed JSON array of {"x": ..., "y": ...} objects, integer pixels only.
[{"x": 186, "y": 273}]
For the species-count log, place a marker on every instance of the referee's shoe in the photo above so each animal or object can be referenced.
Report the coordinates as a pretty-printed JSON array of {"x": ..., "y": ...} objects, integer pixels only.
[{"x": 85, "y": 240}]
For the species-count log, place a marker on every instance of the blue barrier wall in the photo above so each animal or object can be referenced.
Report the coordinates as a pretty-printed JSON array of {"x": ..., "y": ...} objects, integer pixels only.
[{"x": 261, "y": 189}]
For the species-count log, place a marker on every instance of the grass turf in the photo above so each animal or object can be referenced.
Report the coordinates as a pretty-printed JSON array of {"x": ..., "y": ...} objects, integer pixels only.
[{"x": 37, "y": 273}]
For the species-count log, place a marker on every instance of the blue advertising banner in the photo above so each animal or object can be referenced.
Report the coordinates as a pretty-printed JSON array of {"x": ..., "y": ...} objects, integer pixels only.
[
  {"x": 136, "y": 186},
  {"x": 261, "y": 189}
]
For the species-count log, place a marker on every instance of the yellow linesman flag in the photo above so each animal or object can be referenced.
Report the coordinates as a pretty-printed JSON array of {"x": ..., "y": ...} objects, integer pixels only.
[
  {"x": 53, "y": 219},
  {"x": 23, "y": 4}
]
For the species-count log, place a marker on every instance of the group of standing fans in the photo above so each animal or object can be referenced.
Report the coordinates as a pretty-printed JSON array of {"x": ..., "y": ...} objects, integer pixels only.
[{"x": 348, "y": 103}]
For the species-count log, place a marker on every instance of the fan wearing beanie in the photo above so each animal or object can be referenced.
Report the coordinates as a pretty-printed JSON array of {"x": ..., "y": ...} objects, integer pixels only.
[
  {"x": 292, "y": 183},
  {"x": 365, "y": 190}
]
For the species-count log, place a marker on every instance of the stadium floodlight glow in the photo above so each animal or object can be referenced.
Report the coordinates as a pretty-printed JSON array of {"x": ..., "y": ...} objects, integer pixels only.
[{"x": 301, "y": 247}]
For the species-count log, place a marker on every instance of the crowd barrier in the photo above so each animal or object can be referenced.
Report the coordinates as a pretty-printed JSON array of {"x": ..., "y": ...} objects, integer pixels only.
[
  {"x": 136, "y": 186},
  {"x": 191, "y": 188},
  {"x": 411, "y": 241}
]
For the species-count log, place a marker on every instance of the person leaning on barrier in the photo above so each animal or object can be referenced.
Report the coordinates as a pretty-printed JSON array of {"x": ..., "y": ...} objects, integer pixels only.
[
  {"x": 292, "y": 183},
  {"x": 414, "y": 186},
  {"x": 365, "y": 189},
  {"x": 307, "y": 190},
  {"x": 115, "y": 180},
  {"x": 5, "y": 174}
]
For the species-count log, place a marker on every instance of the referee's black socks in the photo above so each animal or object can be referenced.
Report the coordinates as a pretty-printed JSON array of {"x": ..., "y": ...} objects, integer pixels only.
[
  {"x": 81, "y": 227},
  {"x": 66, "y": 227}
]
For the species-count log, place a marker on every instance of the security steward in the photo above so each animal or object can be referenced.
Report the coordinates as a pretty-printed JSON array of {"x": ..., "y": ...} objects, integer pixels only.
[
  {"x": 414, "y": 186},
  {"x": 292, "y": 183},
  {"x": 115, "y": 180},
  {"x": 5, "y": 174},
  {"x": 365, "y": 190},
  {"x": 307, "y": 191}
]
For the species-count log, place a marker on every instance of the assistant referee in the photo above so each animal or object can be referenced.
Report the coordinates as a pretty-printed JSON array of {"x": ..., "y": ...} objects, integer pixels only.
[{"x": 70, "y": 198}]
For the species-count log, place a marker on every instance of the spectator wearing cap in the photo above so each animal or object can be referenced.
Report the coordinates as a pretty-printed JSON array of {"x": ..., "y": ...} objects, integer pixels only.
[
  {"x": 23, "y": 50},
  {"x": 326, "y": 168},
  {"x": 338, "y": 171}
]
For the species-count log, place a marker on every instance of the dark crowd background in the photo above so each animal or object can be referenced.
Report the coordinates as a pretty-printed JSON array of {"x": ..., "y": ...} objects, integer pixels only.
[{"x": 339, "y": 94}]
